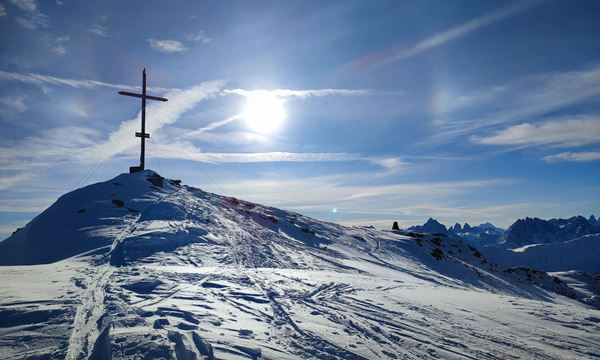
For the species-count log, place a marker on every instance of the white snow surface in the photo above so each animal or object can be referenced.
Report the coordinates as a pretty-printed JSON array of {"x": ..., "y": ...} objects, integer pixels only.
[{"x": 178, "y": 273}]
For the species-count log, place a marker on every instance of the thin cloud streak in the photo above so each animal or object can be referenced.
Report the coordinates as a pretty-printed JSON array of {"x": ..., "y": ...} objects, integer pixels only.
[
  {"x": 302, "y": 94},
  {"x": 180, "y": 101},
  {"x": 283, "y": 93},
  {"x": 324, "y": 193},
  {"x": 10, "y": 181},
  {"x": 520, "y": 100},
  {"x": 392, "y": 55},
  {"x": 167, "y": 46},
  {"x": 564, "y": 133},
  {"x": 583, "y": 156},
  {"x": 213, "y": 125},
  {"x": 41, "y": 80},
  {"x": 187, "y": 151}
]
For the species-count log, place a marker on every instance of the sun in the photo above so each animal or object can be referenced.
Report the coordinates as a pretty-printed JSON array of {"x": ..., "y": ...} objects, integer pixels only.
[{"x": 264, "y": 112}]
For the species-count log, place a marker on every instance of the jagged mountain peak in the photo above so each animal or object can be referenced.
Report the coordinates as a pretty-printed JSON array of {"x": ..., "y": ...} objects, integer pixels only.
[
  {"x": 538, "y": 231},
  {"x": 457, "y": 227}
]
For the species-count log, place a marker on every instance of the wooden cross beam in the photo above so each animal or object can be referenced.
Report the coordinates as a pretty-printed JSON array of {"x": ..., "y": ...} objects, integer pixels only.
[{"x": 143, "y": 135}]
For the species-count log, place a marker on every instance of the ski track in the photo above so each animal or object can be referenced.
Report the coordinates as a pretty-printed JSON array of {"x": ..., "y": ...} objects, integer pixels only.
[
  {"x": 85, "y": 324},
  {"x": 85, "y": 328}
]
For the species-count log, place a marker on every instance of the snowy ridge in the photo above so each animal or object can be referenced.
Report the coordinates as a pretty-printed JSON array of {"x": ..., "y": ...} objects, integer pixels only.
[
  {"x": 538, "y": 231},
  {"x": 143, "y": 266},
  {"x": 479, "y": 235},
  {"x": 578, "y": 254}
]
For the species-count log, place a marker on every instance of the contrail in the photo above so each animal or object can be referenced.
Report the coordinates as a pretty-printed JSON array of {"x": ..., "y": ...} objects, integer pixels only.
[
  {"x": 38, "y": 79},
  {"x": 214, "y": 125}
]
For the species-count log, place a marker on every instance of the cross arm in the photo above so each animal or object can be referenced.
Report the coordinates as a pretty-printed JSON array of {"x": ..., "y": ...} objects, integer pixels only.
[
  {"x": 138, "y": 134},
  {"x": 150, "y": 97}
]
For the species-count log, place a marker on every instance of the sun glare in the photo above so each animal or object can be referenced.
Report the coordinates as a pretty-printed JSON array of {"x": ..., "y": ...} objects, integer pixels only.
[{"x": 264, "y": 112}]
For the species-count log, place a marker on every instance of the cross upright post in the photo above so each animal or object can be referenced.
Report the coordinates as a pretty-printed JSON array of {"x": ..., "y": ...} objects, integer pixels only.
[{"x": 143, "y": 135}]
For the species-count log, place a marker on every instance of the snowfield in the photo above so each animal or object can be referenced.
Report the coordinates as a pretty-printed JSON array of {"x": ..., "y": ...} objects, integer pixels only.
[{"x": 143, "y": 267}]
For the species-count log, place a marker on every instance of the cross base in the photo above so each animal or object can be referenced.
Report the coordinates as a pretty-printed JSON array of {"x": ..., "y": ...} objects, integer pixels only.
[{"x": 134, "y": 169}]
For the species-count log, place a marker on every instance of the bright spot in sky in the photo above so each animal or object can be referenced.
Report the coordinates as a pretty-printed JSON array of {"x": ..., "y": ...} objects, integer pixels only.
[
  {"x": 264, "y": 112},
  {"x": 334, "y": 210}
]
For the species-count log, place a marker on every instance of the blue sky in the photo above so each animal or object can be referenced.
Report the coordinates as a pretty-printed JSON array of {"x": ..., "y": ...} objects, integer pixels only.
[{"x": 460, "y": 110}]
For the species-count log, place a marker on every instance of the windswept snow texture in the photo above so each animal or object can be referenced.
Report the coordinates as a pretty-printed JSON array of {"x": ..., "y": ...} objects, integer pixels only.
[{"x": 173, "y": 272}]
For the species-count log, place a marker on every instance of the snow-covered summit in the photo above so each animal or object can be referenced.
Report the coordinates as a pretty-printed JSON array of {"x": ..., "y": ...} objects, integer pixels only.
[
  {"x": 431, "y": 226},
  {"x": 89, "y": 218}
]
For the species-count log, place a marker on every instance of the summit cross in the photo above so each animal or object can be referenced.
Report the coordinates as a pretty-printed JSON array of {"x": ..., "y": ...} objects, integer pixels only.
[{"x": 143, "y": 135}]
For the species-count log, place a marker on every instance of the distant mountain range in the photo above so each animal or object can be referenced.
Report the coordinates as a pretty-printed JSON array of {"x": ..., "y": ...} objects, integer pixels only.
[
  {"x": 530, "y": 231},
  {"x": 522, "y": 232},
  {"x": 482, "y": 234},
  {"x": 549, "y": 245}
]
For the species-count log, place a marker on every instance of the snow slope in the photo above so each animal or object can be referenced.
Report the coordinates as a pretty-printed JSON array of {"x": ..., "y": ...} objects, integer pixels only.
[
  {"x": 140, "y": 266},
  {"x": 578, "y": 254}
]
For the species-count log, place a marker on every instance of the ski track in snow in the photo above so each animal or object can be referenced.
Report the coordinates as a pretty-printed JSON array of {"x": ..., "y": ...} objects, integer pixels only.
[
  {"x": 193, "y": 275},
  {"x": 85, "y": 329}
]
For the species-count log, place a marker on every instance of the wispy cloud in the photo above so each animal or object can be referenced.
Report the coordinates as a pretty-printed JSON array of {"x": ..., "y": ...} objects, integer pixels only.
[
  {"x": 10, "y": 181},
  {"x": 396, "y": 54},
  {"x": 167, "y": 46},
  {"x": 583, "y": 156},
  {"x": 32, "y": 18},
  {"x": 187, "y": 151},
  {"x": 14, "y": 103},
  {"x": 501, "y": 215},
  {"x": 33, "y": 21},
  {"x": 25, "y": 5},
  {"x": 41, "y": 80},
  {"x": 59, "y": 49},
  {"x": 565, "y": 133},
  {"x": 98, "y": 28},
  {"x": 199, "y": 36},
  {"x": 51, "y": 147},
  {"x": 211, "y": 126},
  {"x": 87, "y": 145},
  {"x": 163, "y": 114},
  {"x": 2, "y": 10},
  {"x": 520, "y": 100},
  {"x": 235, "y": 138},
  {"x": 36, "y": 151},
  {"x": 327, "y": 192},
  {"x": 282, "y": 93},
  {"x": 25, "y": 202},
  {"x": 303, "y": 94}
]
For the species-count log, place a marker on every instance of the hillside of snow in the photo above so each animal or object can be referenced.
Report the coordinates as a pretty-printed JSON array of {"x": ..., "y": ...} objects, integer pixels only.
[
  {"x": 578, "y": 254},
  {"x": 143, "y": 267}
]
